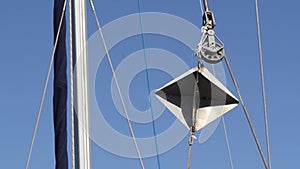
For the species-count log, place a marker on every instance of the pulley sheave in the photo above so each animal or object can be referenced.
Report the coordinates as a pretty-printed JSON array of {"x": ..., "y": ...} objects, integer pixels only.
[{"x": 210, "y": 49}]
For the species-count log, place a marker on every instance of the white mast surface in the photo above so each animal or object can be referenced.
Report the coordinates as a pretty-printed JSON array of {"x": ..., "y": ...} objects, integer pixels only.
[{"x": 81, "y": 90}]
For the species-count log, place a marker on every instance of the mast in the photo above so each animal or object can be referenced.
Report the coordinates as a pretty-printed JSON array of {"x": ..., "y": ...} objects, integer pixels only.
[{"x": 81, "y": 91}]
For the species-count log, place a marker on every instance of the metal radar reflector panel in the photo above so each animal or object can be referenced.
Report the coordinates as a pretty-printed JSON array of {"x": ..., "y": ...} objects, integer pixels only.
[{"x": 196, "y": 98}]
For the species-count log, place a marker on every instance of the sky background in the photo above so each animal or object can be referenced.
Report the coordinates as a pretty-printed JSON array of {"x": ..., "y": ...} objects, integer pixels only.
[{"x": 26, "y": 44}]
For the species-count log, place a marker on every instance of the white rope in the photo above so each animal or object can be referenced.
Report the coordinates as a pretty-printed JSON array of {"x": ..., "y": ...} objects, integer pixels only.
[
  {"x": 45, "y": 88},
  {"x": 246, "y": 113},
  {"x": 71, "y": 85},
  {"x": 227, "y": 142},
  {"x": 263, "y": 83},
  {"x": 117, "y": 85}
]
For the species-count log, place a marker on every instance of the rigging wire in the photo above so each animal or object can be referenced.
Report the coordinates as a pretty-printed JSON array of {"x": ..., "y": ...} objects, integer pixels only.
[
  {"x": 263, "y": 83},
  {"x": 117, "y": 84},
  {"x": 45, "y": 88},
  {"x": 206, "y": 5},
  {"x": 201, "y": 7},
  {"x": 246, "y": 113},
  {"x": 191, "y": 140},
  {"x": 223, "y": 120},
  {"x": 71, "y": 85},
  {"x": 227, "y": 142},
  {"x": 194, "y": 112},
  {"x": 189, "y": 157},
  {"x": 225, "y": 133},
  {"x": 148, "y": 82}
]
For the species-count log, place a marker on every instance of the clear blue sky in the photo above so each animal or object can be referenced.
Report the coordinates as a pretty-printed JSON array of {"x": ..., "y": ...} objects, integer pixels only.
[{"x": 26, "y": 43}]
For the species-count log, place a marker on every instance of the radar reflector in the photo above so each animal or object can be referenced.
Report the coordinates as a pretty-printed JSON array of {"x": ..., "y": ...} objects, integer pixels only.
[{"x": 196, "y": 98}]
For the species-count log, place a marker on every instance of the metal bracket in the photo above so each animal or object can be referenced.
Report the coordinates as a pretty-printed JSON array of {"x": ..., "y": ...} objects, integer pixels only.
[
  {"x": 209, "y": 19},
  {"x": 192, "y": 136}
]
